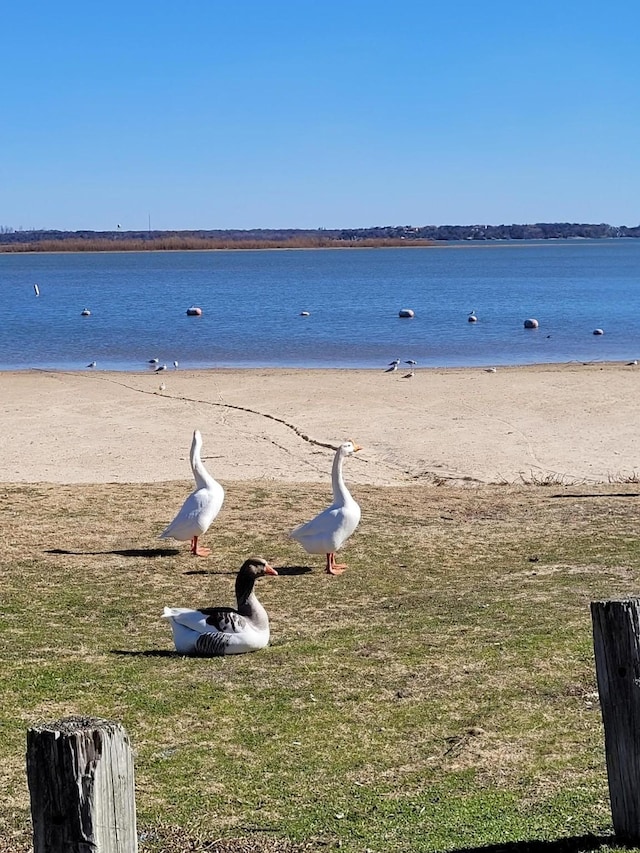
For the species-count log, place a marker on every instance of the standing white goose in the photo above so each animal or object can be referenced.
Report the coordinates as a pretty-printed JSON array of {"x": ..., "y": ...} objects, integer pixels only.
[
  {"x": 331, "y": 528},
  {"x": 215, "y": 631},
  {"x": 200, "y": 508}
]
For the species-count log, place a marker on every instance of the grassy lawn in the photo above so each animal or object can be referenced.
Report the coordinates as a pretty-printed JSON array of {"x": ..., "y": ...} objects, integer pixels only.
[{"x": 440, "y": 695}]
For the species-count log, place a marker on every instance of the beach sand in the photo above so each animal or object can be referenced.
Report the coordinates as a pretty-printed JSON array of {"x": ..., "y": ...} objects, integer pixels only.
[{"x": 564, "y": 423}]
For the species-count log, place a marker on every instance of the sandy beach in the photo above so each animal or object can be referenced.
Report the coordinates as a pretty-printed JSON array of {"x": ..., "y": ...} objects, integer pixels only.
[{"x": 575, "y": 422}]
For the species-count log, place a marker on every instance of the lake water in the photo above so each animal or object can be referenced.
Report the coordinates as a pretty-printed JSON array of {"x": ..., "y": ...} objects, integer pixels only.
[{"x": 252, "y": 301}]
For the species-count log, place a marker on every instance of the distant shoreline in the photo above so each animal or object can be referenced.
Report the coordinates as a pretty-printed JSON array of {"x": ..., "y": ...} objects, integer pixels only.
[
  {"x": 297, "y": 238},
  {"x": 27, "y": 249},
  {"x": 440, "y": 244}
]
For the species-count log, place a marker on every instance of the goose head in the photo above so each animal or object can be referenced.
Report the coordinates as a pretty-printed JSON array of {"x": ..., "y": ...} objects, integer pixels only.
[
  {"x": 256, "y": 567},
  {"x": 250, "y": 571},
  {"x": 348, "y": 448}
]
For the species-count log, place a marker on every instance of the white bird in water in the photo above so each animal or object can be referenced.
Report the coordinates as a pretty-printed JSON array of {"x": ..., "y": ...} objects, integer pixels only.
[
  {"x": 91, "y": 364},
  {"x": 411, "y": 362},
  {"x": 36, "y": 290},
  {"x": 161, "y": 368},
  {"x": 154, "y": 360},
  {"x": 175, "y": 365},
  {"x": 200, "y": 507}
]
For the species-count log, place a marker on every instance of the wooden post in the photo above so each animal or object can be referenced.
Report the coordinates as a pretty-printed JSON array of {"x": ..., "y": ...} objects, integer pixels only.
[
  {"x": 616, "y": 640},
  {"x": 80, "y": 774}
]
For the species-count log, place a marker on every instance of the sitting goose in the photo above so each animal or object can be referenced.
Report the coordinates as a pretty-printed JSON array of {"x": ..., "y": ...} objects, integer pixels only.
[
  {"x": 215, "y": 631},
  {"x": 331, "y": 528},
  {"x": 200, "y": 508}
]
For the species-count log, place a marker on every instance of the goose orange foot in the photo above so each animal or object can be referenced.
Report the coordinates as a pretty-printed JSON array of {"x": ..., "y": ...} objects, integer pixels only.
[
  {"x": 198, "y": 551},
  {"x": 334, "y": 568}
]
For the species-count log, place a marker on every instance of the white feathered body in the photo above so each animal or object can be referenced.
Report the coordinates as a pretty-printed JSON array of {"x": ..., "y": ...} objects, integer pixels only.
[
  {"x": 331, "y": 528},
  {"x": 203, "y": 504},
  {"x": 196, "y": 514}
]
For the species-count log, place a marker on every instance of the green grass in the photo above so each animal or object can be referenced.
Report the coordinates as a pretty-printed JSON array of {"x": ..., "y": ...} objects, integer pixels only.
[{"x": 440, "y": 695}]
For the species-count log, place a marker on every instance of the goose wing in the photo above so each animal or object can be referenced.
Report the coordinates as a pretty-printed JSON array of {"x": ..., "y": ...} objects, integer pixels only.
[
  {"x": 225, "y": 619},
  {"x": 324, "y": 524},
  {"x": 195, "y": 515},
  {"x": 209, "y": 620},
  {"x": 200, "y": 503}
]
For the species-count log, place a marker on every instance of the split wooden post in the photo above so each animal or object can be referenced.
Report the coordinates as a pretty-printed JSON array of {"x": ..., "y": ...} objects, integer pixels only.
[
  {"x": 616, "y": 641},
  {"x": 80, "y": 775}
]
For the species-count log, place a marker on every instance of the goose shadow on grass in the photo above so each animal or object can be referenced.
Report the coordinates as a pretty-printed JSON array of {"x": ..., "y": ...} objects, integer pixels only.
[
  {"x": 575, "y": 495},
  {"x": 163, "y": 653},
  {"x": 210, "y": 572},
  {"x": 573, "y": 844},
  {"x": 292, "y": 571},
  {"x": 118, "y": 552},
  {"x": 283, "y": 571},
  {"x": 146, "y": 653}
]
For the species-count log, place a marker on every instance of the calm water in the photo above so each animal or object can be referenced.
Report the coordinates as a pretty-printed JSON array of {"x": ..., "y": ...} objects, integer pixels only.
[{"x": 251, "y": 303}]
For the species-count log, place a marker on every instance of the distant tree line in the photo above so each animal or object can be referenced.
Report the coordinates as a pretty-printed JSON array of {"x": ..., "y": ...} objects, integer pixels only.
[
  {"x": 18, "y": 240},
  {"x": 537, "y": 231}
]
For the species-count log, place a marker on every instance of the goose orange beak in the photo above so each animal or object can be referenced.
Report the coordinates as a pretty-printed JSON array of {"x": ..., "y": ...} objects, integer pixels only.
[{"x": 269, "y": 570}]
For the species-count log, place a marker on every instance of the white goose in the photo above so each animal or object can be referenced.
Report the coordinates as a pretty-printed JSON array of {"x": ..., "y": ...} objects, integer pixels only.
[
  {"x": 331, "y": 528},
  {"x": 217, "y": 631},
  {"x": 200, "y": 508}
]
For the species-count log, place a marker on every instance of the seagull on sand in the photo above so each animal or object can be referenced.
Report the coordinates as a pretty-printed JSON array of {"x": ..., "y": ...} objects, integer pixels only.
[
  {"x": 161, "y": 387},
  {"x": 490, "y": 370},
  {"x": 175, "y": 365},
  {"x": 161, "y": 368},
  {"x": 393, "y": 365},
  {"x": 409, "y": 375},
  {"x": 91, "y": 364}
]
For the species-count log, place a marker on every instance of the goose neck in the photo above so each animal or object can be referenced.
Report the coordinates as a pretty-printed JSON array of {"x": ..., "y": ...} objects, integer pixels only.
[
  {"x": 248, "y": 604},
  {"x": 200, "y": 474},
  {"x": 245, "y": 593},
  {"x": 340, "y": 491}
]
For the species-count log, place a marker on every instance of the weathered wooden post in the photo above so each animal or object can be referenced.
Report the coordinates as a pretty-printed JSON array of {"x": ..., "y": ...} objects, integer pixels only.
[
  {"x": 616, "y": 641},
  {"x": 80, "y": 774}
]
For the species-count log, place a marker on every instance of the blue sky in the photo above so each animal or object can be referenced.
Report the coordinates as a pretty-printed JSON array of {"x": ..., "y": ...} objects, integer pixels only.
[{"x": 276, "y": 114}]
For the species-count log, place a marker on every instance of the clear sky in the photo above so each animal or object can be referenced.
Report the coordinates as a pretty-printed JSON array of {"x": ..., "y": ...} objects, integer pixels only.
[{"x": 334, "y": 114}]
